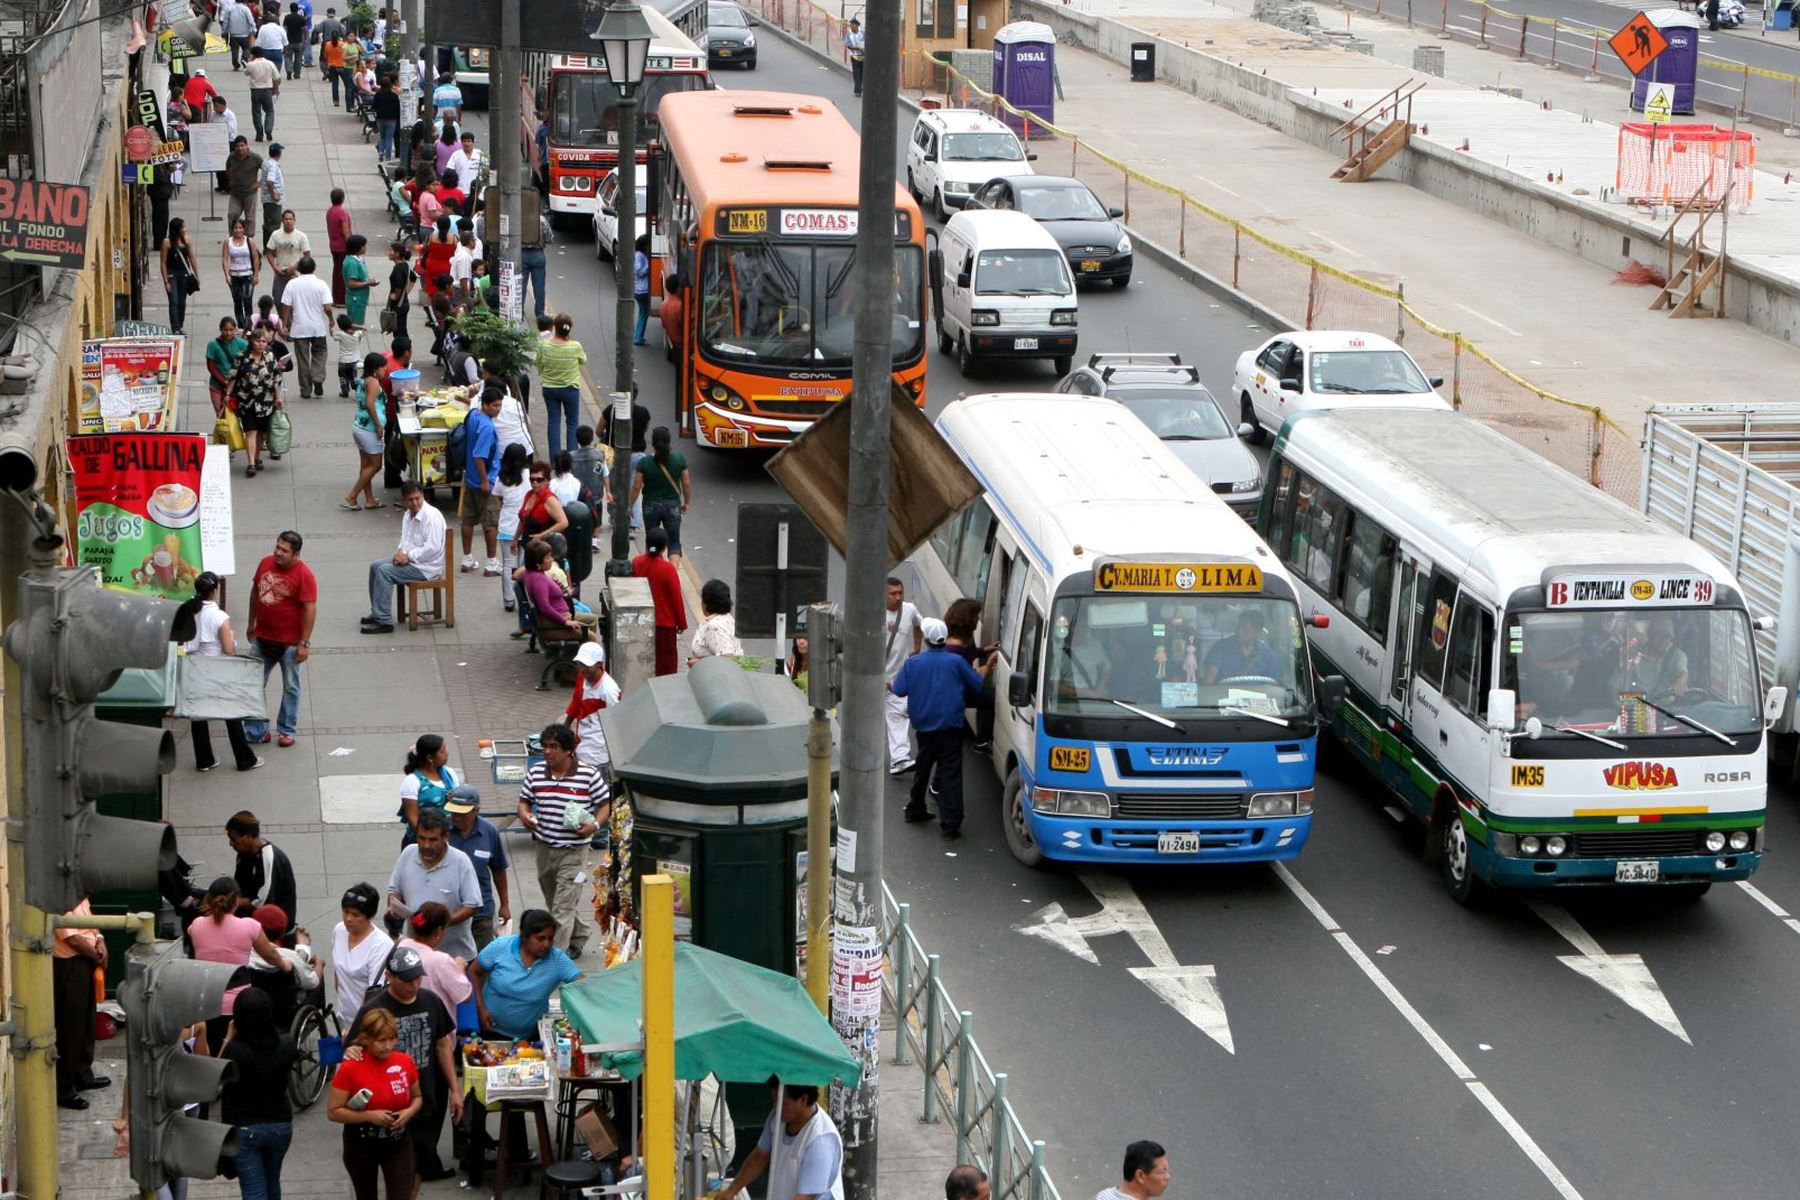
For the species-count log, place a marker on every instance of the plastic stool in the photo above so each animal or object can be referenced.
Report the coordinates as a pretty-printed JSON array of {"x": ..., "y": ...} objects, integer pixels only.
[{"x": 568, "y": 1178}]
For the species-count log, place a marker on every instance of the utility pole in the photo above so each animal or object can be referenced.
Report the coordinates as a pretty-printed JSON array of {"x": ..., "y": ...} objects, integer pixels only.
[
  {"x": 862, "y": 777},
  {"x": 410, "y": 18},
  {"x": 503, "y": 133}
]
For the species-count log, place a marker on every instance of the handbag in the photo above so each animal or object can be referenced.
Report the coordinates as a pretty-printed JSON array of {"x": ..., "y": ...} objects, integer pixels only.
[
  {"x": 191, "y": 281},
  {"x": 281, "y": 432},
  {"x": 228, "y": 430},
  {"x": 387, "y": 320}
]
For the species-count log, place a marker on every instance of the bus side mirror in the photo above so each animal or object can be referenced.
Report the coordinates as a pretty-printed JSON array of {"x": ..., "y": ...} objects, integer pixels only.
[
  {"x": 1775, "y": 704},
  {"x": 1018, "y": 690},
  {"x": 1333, "y": 693},
  {"x": 1502, "y": 709}
]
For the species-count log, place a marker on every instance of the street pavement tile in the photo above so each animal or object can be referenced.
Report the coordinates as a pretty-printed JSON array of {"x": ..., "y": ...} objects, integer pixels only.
[{"x": 359, "y": 799}]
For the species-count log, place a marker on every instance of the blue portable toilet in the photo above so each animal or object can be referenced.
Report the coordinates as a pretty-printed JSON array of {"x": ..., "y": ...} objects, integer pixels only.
[
  {"x": 1025, "y": 72},
  {"x": 1679, "y": 64}
]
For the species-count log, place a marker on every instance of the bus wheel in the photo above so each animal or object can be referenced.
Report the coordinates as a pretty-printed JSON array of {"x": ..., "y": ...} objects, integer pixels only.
[
  {"x": 1017, "y": 821},
  {"x": 1247, "y": 415},
  {"x": 1455, "y": 855}
]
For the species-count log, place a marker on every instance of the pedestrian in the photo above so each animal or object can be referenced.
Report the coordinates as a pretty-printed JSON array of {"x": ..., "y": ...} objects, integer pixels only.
[
  {"x": 420, "y": 555},
  {"x": 510, "y": 427},
  {"x": 446, "y": 975},
  {"x": 284, "y": 600},
  {"x": 448, "y": 143},
  {"x": 716, "y": 635},
  {"x": 242, "y": 265},
  {"x": 176, "y": 117},
  {"x": 354, "y": 83},
  {"x": 359, "y": 948},
  {"x": 462, "y": 268},
  {"x": 273, "y": 186},
  {"x": 222, "y": 355},
  {"x": 378, "y": 1147},
  {"x": 1146, "y": 1174},
  {"x": 540, "y": 511},
  {"x": 399, "y": 358},
  {"x": 962, "y": 618},
  {"x": 305, "y": 305},
  {"x": 271, "y": 41},
  {"x": 426, "y": 783},
  {"x": 809, "y": 1160},
  {"x": 357, "y": 284},
  {"x": 665, "y": 592},
  {"x": 265, "y": 84},
  {"x": 447, "y": 100},
  {"x": 213, "y": 637},
  {"x": 665, "y": 487},
  {"x": 564, "y": 802},
  {"x": 434, "y": 255},
  {"x": 464, "y": 164},
  {"x": 262, "y": 871},
  {"x": 595, "y": 692},
  {"x": 294, "y": 26},
  {"x": 75, "y": 955},
  {"x": 426, "y": 1031},
  {"x": 477, "y": 837},
  {"x": 967, "y": 1182},
  {"x": 240, "y": 27},
  {"x": 180, "y": 279},
  {"x": 902, "y": 639},
  {"x": 640, "y": 287},
  {"x": 350, "y": 347},
  {"x": 198, "y": 91},
  {"x": 855, "y": 45},
  {"x": 243, "y": 179},
  {"x": 387, "y": 116},
  {"x": 255, "y": 1095},
  {"x": 256, "y": 390},
  {"x": 222, "y": 115},
  {"x": 331, "y": 56},
  {"x": 161, "y": 190},
  {"x": 430, "y": 869},
  {"x": 533, "y": 265},
  {"x": 338, "y": 228},
  {"x": 559, "y": 362},
  {"x": 220, "y": 935},
  {"x": 588, "y": 465},
  {"x": 937, "y": 686},
  {"x": 640, "y": 446},
  {"x": 478, "y": 504},
  {"x": 400, "y": 281},
  {"x": 368, "y": 426},
  {"x": 285, "y": 247},
  {"x": 511, "y": 486}
]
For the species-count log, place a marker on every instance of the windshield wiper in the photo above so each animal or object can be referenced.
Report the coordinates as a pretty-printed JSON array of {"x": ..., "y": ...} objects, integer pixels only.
[
  {"x": 1249, "y": 712},
  {"x": 1146, "y": 714},
  {"x": 1687, "y": 720},
  {"x": 1592, "y": 737},
  {"x": 1340, "y": 387}
]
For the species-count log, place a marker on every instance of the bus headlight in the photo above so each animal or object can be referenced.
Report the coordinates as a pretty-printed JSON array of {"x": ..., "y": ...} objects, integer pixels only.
[
  {"x": 1529, "y": 845},
  {"x": 1062, "y": 316},
  {"x": 984, "y": 316},
  {"x": 718, "y": 393},
  {"x": 1054, "y": 802},
  {"x": 1556, "y": 846},
  {"x": 1280, "y": 804},
  {"x": 1715, "y": 842},
  {"x": 1740, "y": 839}
]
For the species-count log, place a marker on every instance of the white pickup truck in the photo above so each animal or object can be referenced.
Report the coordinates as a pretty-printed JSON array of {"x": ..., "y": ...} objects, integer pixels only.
[{"x": 1728, "y": 476}]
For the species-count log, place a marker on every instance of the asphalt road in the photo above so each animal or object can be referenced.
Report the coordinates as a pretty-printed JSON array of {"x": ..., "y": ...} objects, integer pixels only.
[{"x": 1384, "y": 1042}]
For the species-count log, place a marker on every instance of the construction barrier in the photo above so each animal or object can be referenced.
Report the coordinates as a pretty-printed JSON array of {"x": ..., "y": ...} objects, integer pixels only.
[{"x": 1669, "y": 164}]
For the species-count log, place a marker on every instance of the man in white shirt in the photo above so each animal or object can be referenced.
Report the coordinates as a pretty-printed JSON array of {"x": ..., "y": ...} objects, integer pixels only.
[
  {"x": 306, "y": 310},
  {"x": 222, "y": 114},
  {"x": 462, "y": 266},
  {"x": 274, "y": 190},
  {"x": 271, "y": 39},
  {"x": 284, "y": 248},
  {"x": 420, "y": 556},
  {"x": 465, "y": 163},
  {"x": 902, "y": 637}
]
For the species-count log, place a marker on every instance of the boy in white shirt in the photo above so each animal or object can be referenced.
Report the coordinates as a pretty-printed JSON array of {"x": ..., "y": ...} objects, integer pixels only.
[{"x": 351, "y": 344}]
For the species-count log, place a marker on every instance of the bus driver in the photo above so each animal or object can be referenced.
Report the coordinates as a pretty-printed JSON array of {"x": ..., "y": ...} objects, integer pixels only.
[{"x": 1246, "y": 656}]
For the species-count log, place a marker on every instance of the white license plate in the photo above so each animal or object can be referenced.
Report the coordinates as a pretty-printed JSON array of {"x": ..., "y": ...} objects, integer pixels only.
[
  {"x": 1185, "y": 843},
  {"x": 734, "y": 439},
  {"x": 1025, "y": 343},
  {"x": 1637, "y": 871}
]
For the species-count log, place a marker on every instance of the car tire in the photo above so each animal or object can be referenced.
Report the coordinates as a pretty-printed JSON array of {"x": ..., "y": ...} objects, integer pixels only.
[
  {"x": 600, "y": 248},
  {"x": 946, "y": 343},
  {"x": 1122, "y": 282},
  {"x": 1017, "y": 823},
  {"x": 912, "y": 189},
  {"x": 937, "y": 206},
  {"x": 965, "y": 362},
  {"x": 1247, "y": 415},
  {"x": 1063, "y": 364}
]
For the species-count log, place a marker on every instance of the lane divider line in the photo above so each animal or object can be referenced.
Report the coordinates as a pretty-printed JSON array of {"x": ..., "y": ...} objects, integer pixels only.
[{"x": 1779, "y": 913}]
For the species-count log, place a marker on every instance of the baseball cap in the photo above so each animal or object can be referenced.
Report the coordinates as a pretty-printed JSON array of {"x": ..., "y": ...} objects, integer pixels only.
[
  {"x": 276, "y": 147},
  {"x": 591, "y": 654},
  {"x": 200, "y": 71},
  {"x": 272, "y": 919},
  {"x": 406, "y": 965},
  {"x": 934, "y": 631},
  {"x": 463, "y": 799}
]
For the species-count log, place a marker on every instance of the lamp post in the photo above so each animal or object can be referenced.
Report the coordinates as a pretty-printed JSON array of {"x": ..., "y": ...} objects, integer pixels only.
[{"x": 624, "y": 37}]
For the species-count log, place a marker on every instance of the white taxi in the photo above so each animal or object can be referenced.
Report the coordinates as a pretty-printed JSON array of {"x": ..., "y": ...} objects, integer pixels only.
[{"x": 1310, "y": 369}]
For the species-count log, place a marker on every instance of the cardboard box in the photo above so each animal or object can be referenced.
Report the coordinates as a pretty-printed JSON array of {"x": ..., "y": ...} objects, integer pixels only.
[{"x": 598, "y": 1132}]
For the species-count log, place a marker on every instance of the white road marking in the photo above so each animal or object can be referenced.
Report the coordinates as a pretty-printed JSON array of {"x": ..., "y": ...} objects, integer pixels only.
[
  {"x": 1473, "y": 312},
  {"x": 1192, "y": 991},
  {"x": 1624, "y": 975},
  {"x": 1775, "y": 909},
  {"x": 1335, "y": 242},
  {"x": 1439, "y": 1046}
]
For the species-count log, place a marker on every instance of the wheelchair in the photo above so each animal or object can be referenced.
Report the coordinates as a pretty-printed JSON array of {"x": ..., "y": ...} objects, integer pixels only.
[{"x": 318, "y": 1047}]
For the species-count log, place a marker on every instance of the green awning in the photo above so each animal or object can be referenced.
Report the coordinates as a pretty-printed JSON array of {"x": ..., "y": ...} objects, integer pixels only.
[{"x": 734, "y": 1020}]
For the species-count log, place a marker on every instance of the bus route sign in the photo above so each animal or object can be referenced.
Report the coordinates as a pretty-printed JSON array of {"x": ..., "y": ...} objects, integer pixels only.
[{"x": 1177, "y": 577}]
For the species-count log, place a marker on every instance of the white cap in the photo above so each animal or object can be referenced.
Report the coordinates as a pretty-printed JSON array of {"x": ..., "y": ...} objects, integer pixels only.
[
  {"x": 934, "y": 631},
  {"x": 591, "y": 654},
  {"x": 200, "y": 71}
]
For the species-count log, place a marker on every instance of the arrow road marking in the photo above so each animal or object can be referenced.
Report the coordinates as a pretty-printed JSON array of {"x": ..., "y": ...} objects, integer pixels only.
[
  {"x": 1624, "y": 975},
  {"x": 1192, "y": 992}
]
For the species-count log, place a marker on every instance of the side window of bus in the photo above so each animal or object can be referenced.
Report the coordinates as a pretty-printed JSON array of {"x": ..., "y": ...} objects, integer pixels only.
[
  {"x": 1471, "y": 652},
  {"x": 947, "y": 537},
  {"x": 1318, "y": 532},
  {"x": 1281, "y": 512},
  {"x": 1031, "y": 636},
  {"x": 1012, "y": 602},
  {"x": 1367, "y": 585},
  {"x": 1434, "y": 629},
  {"x": 975, "y": 553}
]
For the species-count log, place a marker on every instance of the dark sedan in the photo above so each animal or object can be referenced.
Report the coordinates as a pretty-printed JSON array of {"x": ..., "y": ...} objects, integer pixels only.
[
  {"x": 730, "y": 40},
  {"x": 1088, "y": 231}
]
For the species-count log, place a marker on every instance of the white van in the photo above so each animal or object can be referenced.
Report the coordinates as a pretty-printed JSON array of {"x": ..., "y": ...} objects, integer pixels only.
[
  {"x": 953, "y": 151},
  {"x": 1001, "y": 288}
]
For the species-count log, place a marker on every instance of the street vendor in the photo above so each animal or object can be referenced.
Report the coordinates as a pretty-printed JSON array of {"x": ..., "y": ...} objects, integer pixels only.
[
  {"x": 807, "y": 1150},
  {"x": 514, "y": 977}
]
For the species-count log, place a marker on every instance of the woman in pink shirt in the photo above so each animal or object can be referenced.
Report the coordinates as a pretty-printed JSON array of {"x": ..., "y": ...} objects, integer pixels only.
[
  {"x": 445, "y": 974},
  {"x": 219, "y": 935}
]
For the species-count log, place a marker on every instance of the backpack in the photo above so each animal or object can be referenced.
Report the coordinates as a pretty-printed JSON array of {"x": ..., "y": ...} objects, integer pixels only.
[{"x": 456, "y": 366}]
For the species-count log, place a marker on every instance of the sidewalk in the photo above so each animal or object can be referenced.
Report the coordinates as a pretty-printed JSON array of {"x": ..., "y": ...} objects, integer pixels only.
[{"x": 330, "y": 800}]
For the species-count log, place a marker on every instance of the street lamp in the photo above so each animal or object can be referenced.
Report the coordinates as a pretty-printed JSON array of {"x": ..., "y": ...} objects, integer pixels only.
[{"x": 624, "y": 37}]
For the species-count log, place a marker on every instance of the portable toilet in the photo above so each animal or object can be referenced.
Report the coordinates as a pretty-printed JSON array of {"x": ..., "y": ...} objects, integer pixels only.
[
  {"x": 1025, "y": 73},
  {"x": 1679, "y": 64}
]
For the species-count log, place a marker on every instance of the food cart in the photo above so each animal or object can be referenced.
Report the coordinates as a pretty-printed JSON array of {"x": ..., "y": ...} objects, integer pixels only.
[{"x": 426, "y": 417}]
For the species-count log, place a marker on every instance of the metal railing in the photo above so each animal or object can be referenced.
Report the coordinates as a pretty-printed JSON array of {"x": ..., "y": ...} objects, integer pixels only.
[{"x": 959, "y": 1082}]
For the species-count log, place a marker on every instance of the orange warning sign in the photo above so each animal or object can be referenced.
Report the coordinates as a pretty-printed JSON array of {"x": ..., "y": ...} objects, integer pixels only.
[{"x": 1638, "y": 44}]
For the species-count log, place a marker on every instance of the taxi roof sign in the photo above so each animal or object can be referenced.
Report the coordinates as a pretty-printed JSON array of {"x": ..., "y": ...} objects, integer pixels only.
[
  {"x": 1638, "y": 44},
  {"x": 1177, "y": 577}
]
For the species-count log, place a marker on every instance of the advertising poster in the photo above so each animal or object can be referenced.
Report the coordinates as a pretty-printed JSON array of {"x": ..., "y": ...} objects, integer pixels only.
[
  {"x": 210, "y": 146},
  {"x": 137, "y": 502},
  {"x": 681, "y": 875},
  {"x": 856, "y": 956},
  {"x": 44, "y": 224},
  {"x": 128, "y": 385}
]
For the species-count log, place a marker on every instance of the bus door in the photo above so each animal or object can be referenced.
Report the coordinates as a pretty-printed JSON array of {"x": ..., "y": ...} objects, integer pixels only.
[
  {"x": 1411, "y": 632},
  {"x": 1452, "y": 668}
]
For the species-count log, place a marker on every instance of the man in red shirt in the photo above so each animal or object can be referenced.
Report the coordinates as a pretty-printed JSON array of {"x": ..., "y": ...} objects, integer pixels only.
[
  {"x": 199, "y": 93},
  {"x": 338, "y": 228},
  {"x": 284, "y": 600},
  {"x": 665, "y": 593}
]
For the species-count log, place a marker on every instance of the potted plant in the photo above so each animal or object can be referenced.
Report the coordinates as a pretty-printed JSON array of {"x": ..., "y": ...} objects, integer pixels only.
[{"x": 507, "y": 348}]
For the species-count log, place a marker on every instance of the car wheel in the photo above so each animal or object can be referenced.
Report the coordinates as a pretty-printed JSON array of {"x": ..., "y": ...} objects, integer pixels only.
[
  {"x": 912, "y": 189},
  {"x": 1122, "y": 282},
  {"x": 964, "y": 361},
  {"x": 937, "y": 205},
  {"x": 1017, "y": 822},
  {"x": 1063, "y": 363},
  {"x": 946, "y": 344},
  {"x": 600, "y": 246},
  {"x": 1247, "y": 415}
]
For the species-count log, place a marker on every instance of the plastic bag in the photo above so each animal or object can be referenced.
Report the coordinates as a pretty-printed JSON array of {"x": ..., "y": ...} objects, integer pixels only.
[
  {"x": 281, "y": 432},
  {"x": 228, "y": 430}
]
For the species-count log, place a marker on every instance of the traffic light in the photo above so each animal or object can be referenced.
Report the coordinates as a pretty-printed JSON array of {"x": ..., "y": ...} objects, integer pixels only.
[
  {"x": 162, "y": 995},
  {"x": 72, "y": 640},
  {"x": 824, "y": 656}
]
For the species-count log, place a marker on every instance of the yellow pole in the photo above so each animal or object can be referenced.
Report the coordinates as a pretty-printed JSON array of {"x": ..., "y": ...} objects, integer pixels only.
[
  {"x": 34, "y": 1074},
  {"x": 818, "y": 860},
  {"x": 659, "y": 1037}
]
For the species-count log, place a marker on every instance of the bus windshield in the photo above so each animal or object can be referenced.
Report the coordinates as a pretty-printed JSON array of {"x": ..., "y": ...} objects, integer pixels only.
[
  {"x": 1625, "y": 673},
  {"x": 793, "y": 304},
  {"x": 1177, "y": 657},
  {"x": 584, "y": 106}
]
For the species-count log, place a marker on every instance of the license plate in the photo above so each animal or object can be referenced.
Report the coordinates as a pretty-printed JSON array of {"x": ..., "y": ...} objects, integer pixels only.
[
  {"x": 1090, "y": 264},
  {"x": 1024, "y": 343},
  {"x": 1186, "y": 843},
  {"x": 1637, "y": 871},
  {"x": 724, "y": 54},
  {"x": 732, "y": 439}
]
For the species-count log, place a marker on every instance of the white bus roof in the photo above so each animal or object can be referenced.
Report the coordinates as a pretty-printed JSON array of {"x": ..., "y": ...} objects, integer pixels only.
[
  {"x": 665, "y": 38},
  {"x": 1476, "y": 500},
  {"x": 1079, "y": 479}
]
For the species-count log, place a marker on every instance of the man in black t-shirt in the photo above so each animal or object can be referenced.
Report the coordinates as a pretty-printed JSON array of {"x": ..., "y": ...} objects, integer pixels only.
[
  {"x": 427, "y": 1033},
  {"x": 263, "y": 873}
]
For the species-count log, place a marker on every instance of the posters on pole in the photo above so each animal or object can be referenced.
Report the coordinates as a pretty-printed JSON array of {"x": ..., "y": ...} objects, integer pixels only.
[
  {"x": 409, "y": 92},
  {"x": 44, "y": 224},
  {"x": 137, "y": 502},
  {"x": 209, "y": 146},
  {"x": 512, "y": 303},
  {"x": 856, "y": 971},
  {"x": 129, "y": 384},
  {"x": 218, "y": 552}
]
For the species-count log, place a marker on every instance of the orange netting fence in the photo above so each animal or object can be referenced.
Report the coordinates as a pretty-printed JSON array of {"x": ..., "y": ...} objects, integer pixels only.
[{"x": 1668, "y": 164}]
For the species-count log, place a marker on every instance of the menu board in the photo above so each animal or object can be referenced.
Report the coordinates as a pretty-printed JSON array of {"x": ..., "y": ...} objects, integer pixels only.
[
  {"x": 128, "y": 385},
  {"x": 138, "y": 509}
]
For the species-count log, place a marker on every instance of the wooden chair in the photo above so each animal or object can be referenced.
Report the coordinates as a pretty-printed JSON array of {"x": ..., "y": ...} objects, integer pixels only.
[{"x": 442, "y": 590}]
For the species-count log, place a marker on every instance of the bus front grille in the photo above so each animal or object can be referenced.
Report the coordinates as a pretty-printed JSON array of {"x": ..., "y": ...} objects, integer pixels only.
[
  {"x": 1179, "y": 806},
  {"x": 1637, "y": 842}
]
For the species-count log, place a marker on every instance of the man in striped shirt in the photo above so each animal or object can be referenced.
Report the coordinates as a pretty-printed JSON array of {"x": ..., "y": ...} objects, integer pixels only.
[{"x": 563, "y": 802}]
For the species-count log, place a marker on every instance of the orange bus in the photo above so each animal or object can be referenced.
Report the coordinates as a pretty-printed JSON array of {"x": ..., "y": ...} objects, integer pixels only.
[{"x": 757, "y": 203}]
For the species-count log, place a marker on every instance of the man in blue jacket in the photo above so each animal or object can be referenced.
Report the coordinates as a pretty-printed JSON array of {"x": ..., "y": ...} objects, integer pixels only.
[{"x": 938, "y": 686}]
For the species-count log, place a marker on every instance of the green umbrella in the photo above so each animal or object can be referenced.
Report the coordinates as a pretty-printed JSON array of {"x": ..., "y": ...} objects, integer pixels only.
[{"x": 734, "y": 1020}]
